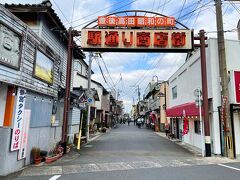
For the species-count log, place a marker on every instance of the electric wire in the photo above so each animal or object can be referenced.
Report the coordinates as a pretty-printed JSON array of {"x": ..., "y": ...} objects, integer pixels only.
[
  {"x": 107, "y": 13},
  {"x": 61, "y": 11},
  {"x": 184, "y": 2},
  {"x": 96, "y": 12},
  {"x": 73, "y": 8}
]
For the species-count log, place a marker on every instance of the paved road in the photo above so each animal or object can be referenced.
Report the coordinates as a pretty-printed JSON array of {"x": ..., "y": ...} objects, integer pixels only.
[{"x": 132, "y": 153}]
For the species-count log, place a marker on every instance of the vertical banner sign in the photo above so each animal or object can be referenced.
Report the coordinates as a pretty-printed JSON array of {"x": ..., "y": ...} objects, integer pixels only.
[
  {"x": 18, "y": 120},
  {"x": 237, "y": 85},
  {"x": 23, "y": 146}
]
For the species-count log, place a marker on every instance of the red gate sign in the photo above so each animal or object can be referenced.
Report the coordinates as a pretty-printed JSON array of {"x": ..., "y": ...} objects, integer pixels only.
[
  {"x": 237, "y": 85},
  {"x": 132, "y": 40},
  {"x": 135, "y": 21}
]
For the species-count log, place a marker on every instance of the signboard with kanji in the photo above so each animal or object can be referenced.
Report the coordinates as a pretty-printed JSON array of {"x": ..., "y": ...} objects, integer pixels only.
[
  {"x": 135, "y": 21},
  {"x": 132, "y": 40},
  {"x": 18, "y": 120},
  {"x": 24, "y": 140},
  {"x": 237, "y": 85}
]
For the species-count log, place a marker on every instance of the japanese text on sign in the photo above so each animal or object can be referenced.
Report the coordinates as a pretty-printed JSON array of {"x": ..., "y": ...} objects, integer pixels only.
[
  {"x": 135, "y": 21},
  {"x": 18, "y": 120},
  {"x": 127, "y": 39}
]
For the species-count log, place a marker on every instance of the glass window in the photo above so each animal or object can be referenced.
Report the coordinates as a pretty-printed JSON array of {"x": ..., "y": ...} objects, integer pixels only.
[
  {"x": 197, "y": 128},
  {"x": 174, "y": 92}
]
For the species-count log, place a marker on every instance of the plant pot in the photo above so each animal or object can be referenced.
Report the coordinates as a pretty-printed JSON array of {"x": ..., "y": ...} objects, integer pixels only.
[
  {"x": 50, "y": 159},
  {"x": 38, "y": 160}
]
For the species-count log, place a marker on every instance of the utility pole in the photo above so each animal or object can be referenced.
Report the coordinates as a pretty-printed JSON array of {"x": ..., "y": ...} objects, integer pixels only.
[
  {"x": 225, "y": 107},
  {"x": 89, "y": 92},
  {"x": 67, "y": 91},
  {"x": 138, "y": 94}
]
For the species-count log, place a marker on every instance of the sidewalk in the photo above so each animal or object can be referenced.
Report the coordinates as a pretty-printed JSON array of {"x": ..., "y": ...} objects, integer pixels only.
[
  {"x": 194, "y": 150},
  {"x": 41, "y": 169}
]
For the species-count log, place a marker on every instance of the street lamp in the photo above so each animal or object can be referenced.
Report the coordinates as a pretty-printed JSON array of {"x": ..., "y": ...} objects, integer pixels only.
[{"x": 198, "y": 100}]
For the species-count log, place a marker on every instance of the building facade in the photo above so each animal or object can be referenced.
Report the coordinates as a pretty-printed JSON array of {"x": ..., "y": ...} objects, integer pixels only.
[{"x": 182, "y": 99}]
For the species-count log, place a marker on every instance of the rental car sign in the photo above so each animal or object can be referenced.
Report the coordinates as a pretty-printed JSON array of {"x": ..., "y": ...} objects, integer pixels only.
[{"x": 136, "y": 34}]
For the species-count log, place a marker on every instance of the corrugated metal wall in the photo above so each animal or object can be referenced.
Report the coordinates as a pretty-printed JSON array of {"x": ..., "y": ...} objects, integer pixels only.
[
  {"x": 74, "y": 116},
  {"x": 41, "y": 109}
]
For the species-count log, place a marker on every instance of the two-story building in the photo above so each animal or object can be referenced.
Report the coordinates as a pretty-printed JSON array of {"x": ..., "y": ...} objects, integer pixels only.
[
  {"x": 33, "y": 68},
  {"x": 187, "y": 79}
]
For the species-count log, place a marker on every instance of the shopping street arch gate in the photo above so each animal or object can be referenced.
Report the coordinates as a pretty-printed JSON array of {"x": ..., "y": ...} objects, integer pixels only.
[{"x": 145, "y": 31}]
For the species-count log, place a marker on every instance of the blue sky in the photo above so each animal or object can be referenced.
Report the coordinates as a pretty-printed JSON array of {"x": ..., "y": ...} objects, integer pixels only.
[{"x": 138, "y": 69}]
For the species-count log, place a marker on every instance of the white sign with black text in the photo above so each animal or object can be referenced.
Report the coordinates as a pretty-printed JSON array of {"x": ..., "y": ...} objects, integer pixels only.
[{"x": 18, "y": 120}]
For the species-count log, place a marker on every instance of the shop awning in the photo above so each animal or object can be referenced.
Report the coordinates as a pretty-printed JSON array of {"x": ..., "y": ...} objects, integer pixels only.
[{"x": 190, "y": 109}]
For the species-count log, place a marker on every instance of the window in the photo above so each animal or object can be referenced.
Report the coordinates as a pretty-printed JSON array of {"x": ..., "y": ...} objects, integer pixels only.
[
  {"x": 78, "y": 67},
  {"x": 174, "y": 92},
  {"x": 197, "y": 128}
]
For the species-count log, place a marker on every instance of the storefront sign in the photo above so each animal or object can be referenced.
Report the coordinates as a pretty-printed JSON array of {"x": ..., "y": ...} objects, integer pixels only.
[
  {"x": 24, "y": 140},
  {"x": 237, "y": 85},
  {"x": 18, "y": 120},
  {"x": 135, "y": 21},
  {"x": 9, "y": 47},
  {"x": 128, "y": 40}
]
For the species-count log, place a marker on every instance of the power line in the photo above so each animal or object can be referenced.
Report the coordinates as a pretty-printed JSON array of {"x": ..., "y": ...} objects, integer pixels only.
[
  {"x": 73, "y": 11},
  {"x": 108, "y": 13},
  {"x": 181, "y": 9},
  {"x": 153, "y": 5},
  {"x": 107, "y": 71},
  {"x": 97, "y": 12},
  {"x": 61, "y": 11}
]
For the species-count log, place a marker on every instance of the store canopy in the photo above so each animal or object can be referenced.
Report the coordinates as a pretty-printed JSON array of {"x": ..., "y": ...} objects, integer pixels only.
[{"x": 190, "y": 109}]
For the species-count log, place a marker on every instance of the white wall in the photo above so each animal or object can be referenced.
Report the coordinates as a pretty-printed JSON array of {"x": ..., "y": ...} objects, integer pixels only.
[
  {"x": 237, "y": 133},
  {"x": 187, "y": 78},
  {"x": 3, "y": 97}
]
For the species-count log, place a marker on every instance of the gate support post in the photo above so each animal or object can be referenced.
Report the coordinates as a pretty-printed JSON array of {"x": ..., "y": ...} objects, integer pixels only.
[{"x": 202, "y": 46}]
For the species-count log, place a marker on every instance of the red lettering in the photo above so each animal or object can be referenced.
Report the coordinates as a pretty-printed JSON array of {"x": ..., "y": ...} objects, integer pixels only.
[
  {"x": 94, "y": 38},
  {"x": 161, "y": 39},
  {"x": 143, "y": 39},
  {"x": 125, "y": 41},
  {"x": 17, "y": 132},
  {"x": 15, "y": 145},
  {"x": 178, "y": 39},
  {"x": 111, "y": 38}
]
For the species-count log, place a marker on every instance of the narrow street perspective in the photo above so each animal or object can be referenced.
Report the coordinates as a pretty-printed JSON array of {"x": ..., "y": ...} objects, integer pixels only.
[
  {"x": 120, "y": 89},
  {"x": 135, "y": 153}
]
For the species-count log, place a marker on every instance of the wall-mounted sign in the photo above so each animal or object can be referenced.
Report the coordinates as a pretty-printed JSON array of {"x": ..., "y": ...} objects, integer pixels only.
[
  {"x": 18, "y": 120},
  {"x": 10, "y": 43},
  {"x": 43, "y": 68},
  {"x": 234, "y": 87},
  {"x": 128, "y": 40},
  {"x": 135, "y": 21},
  {"x": 24, "y": 140},
  {"x": 237, "y": 85}
]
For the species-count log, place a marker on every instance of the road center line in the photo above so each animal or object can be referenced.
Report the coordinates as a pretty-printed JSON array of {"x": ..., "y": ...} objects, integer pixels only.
[
  {"x": 230, "y": 167},
  {"x": 55, "y": 177}
]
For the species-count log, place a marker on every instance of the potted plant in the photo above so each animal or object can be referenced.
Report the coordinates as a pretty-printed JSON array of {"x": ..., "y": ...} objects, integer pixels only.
[
  {"x": 54, "y": 154},
  {"x": 35, "y": 153}
]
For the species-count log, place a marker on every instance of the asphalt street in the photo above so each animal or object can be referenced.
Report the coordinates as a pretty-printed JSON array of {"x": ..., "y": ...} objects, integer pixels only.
[{"x": 128, "y": 152}]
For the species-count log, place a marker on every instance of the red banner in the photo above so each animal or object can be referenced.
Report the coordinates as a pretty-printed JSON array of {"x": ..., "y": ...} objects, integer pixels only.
[
  {"x": 185, "y": 126},
  {"x": 237, "y": 85}
]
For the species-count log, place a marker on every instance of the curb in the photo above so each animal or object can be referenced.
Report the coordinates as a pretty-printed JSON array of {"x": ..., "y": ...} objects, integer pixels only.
[
  {"x": 182, "y": 144},
  {"x": 95, "y": 137}
]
